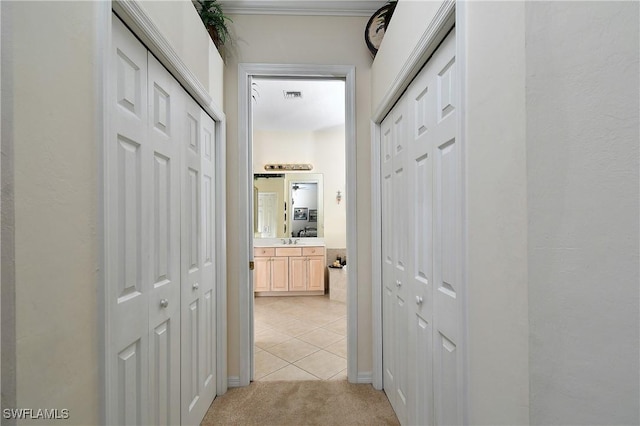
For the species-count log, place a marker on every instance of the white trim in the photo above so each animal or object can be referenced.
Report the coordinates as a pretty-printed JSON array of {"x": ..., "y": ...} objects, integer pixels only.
[
  {"x": 461, "y": 68},
  {"x": 376, "y": 255},
  {"x": 102, "y": 51},
  {"x": 309, "y": 8},
  {"x": 442, "y": 22},
  {"x": 245, "y": 200},
  {"x": 221, "y": 255},
  {"x": 436, "y": 31},
  {"x": 143, "y": 27},
  {"x": 0, "y": 198},
  {"x": 365, "y": 377},
  {"x": 245, "y": 72},
  {"x": 233, "y": 381}
]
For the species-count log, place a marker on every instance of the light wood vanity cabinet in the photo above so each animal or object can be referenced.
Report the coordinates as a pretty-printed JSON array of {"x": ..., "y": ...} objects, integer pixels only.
[
  {"x": 270, "y": 273},
  {"x": 294, "y": 270}
]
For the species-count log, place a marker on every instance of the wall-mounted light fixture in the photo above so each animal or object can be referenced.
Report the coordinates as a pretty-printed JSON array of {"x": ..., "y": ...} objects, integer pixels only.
[
  {"x": 338, "y": 197},
  {"x": 288, "y": 166}
]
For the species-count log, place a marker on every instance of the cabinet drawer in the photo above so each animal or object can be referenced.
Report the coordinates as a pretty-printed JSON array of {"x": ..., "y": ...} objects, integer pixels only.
[
  {"x": 313, "y": 251},
  {"x": 264, "y": 251},
  {"x": 288, "y": 251}
]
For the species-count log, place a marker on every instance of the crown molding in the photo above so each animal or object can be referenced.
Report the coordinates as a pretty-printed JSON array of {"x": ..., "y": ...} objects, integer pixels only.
[{"x": 302, "y": 7}]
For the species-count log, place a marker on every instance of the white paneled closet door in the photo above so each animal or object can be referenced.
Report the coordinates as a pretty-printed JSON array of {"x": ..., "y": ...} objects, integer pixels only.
[
  {"x": 447, "y": 254},
  {"x": 128, "y": 200},
  {"x": 166, "y": 98},
  {"x": 426, "y": 198},
  {"x": 394, "y": 251},
  {"x": 160, "y": 276},
  {"x": 198, "y": 270}
]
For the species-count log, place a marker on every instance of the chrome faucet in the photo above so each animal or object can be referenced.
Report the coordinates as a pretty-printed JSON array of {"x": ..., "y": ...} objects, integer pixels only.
[{"x": 290, "y": 242}]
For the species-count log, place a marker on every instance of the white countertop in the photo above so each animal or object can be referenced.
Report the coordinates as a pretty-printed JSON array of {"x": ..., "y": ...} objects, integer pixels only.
[{"x": 277, "y": 242}]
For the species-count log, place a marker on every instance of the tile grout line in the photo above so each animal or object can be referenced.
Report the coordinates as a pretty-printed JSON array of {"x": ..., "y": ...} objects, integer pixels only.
[{"x": 292, "y": 314}]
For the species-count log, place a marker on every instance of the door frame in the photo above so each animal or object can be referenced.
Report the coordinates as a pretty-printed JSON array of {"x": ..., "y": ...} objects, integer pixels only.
[
  {"x": 450, "y": 14},
  {"x": 141, "y": 25},
  {"x": 245, "y": 176}
]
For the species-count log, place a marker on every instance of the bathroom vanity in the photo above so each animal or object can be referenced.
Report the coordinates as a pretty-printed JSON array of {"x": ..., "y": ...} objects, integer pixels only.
[{"x": 289, "y": 270}]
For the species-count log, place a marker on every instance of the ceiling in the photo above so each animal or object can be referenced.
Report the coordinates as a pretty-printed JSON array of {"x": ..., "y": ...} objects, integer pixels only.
[
  {"x": 321, "y": 106},
  {"x": 302, "y": 7}
]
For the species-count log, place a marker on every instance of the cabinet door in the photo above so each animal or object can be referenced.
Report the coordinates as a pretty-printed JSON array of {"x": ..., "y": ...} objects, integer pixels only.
[
  {"x": 298, "y": 273},
  {"x": 316, "y": 266},
  {"x": 262, "y": 274},
  {"x": 279, "y": 274}
]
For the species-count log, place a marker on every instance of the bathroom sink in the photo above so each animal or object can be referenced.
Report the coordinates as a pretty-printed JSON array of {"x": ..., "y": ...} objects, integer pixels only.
[
  {"x": 300, "y": 243},
  {"x": 294, "y": 242}
]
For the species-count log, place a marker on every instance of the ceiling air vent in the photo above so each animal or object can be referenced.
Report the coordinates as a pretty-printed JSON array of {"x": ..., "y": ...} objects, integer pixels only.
[{"x": 292, "y": 94}]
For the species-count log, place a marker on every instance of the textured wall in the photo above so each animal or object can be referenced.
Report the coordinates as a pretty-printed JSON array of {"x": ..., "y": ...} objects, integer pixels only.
[
  {"x": 496, "y": 213},
  {"x": 582, "y": 168},
  {"x": 302, "y": 40},
  {"x": 53, "y": 114}
]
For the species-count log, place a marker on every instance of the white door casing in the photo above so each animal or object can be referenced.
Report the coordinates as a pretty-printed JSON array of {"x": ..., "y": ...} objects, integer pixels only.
[{"x": 245, "y": 177}]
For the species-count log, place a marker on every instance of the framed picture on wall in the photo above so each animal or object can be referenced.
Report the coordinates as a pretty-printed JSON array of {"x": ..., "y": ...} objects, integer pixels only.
[
  {"x": 313, "y": 215},
  {"x": 300, "y": 213}
]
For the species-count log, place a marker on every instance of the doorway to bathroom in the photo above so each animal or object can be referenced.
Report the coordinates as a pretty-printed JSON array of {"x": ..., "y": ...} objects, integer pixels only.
[
  {"x": 298, "y": 142},
  {"x": 299, "y": 305}
]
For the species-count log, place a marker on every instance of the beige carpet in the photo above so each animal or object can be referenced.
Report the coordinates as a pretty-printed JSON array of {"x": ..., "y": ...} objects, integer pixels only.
[{"x": 301, "y": 403}]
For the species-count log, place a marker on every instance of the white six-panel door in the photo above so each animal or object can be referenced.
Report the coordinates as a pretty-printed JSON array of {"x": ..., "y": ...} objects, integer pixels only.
[
  {"x": 198, "y": 272},
  {"x": 394, "y": 250},
  {"x": 421, "y": 209},
  {"x": 160, "y": 272},
  {"x": 128, "y": 200},
  {"x": 165, "y": 98}
]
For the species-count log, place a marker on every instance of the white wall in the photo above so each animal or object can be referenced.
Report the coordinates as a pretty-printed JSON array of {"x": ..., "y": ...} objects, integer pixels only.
[
  {"x": 496, "y": 213},
  {"x": 325, "y": 149},
  {"x": 301, "y": 40},
  {"x": 582, "y": 172},
  {"x": 51, "y": 71},
  {"x": 55, "y": 184},
  {"x": 410, "y": 19},
  {"x": 181, "y": 25}
]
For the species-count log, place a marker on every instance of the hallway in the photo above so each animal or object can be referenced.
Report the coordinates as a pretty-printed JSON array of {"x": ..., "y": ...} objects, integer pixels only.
[{"x": 301, "y": 403}]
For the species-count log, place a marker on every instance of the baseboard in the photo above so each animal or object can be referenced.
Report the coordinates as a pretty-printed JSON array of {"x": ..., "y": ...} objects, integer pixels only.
[
  {"x": 233, "y": 381},
  {"x": 364, "y": 377}
]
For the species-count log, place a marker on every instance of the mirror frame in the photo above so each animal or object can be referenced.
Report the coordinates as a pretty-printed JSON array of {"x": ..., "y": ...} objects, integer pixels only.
[
  {"x": 317, "y": 178},
  {"x": 289, "y": 178}
]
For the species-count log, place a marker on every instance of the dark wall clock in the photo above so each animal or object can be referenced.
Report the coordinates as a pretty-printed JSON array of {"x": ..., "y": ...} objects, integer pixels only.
[{"x": 377, "y": 25}]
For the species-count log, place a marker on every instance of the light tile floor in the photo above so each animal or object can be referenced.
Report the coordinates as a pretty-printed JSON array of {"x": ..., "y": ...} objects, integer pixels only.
[{"x": 300, "y": 338}]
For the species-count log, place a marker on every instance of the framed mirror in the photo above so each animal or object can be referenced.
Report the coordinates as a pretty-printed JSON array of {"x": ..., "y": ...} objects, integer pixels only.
[{"x": 288, "y": 205}]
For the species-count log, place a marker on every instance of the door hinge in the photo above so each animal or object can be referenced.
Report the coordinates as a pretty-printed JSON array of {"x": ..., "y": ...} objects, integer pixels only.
[{"x": 251, "y": 265}]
